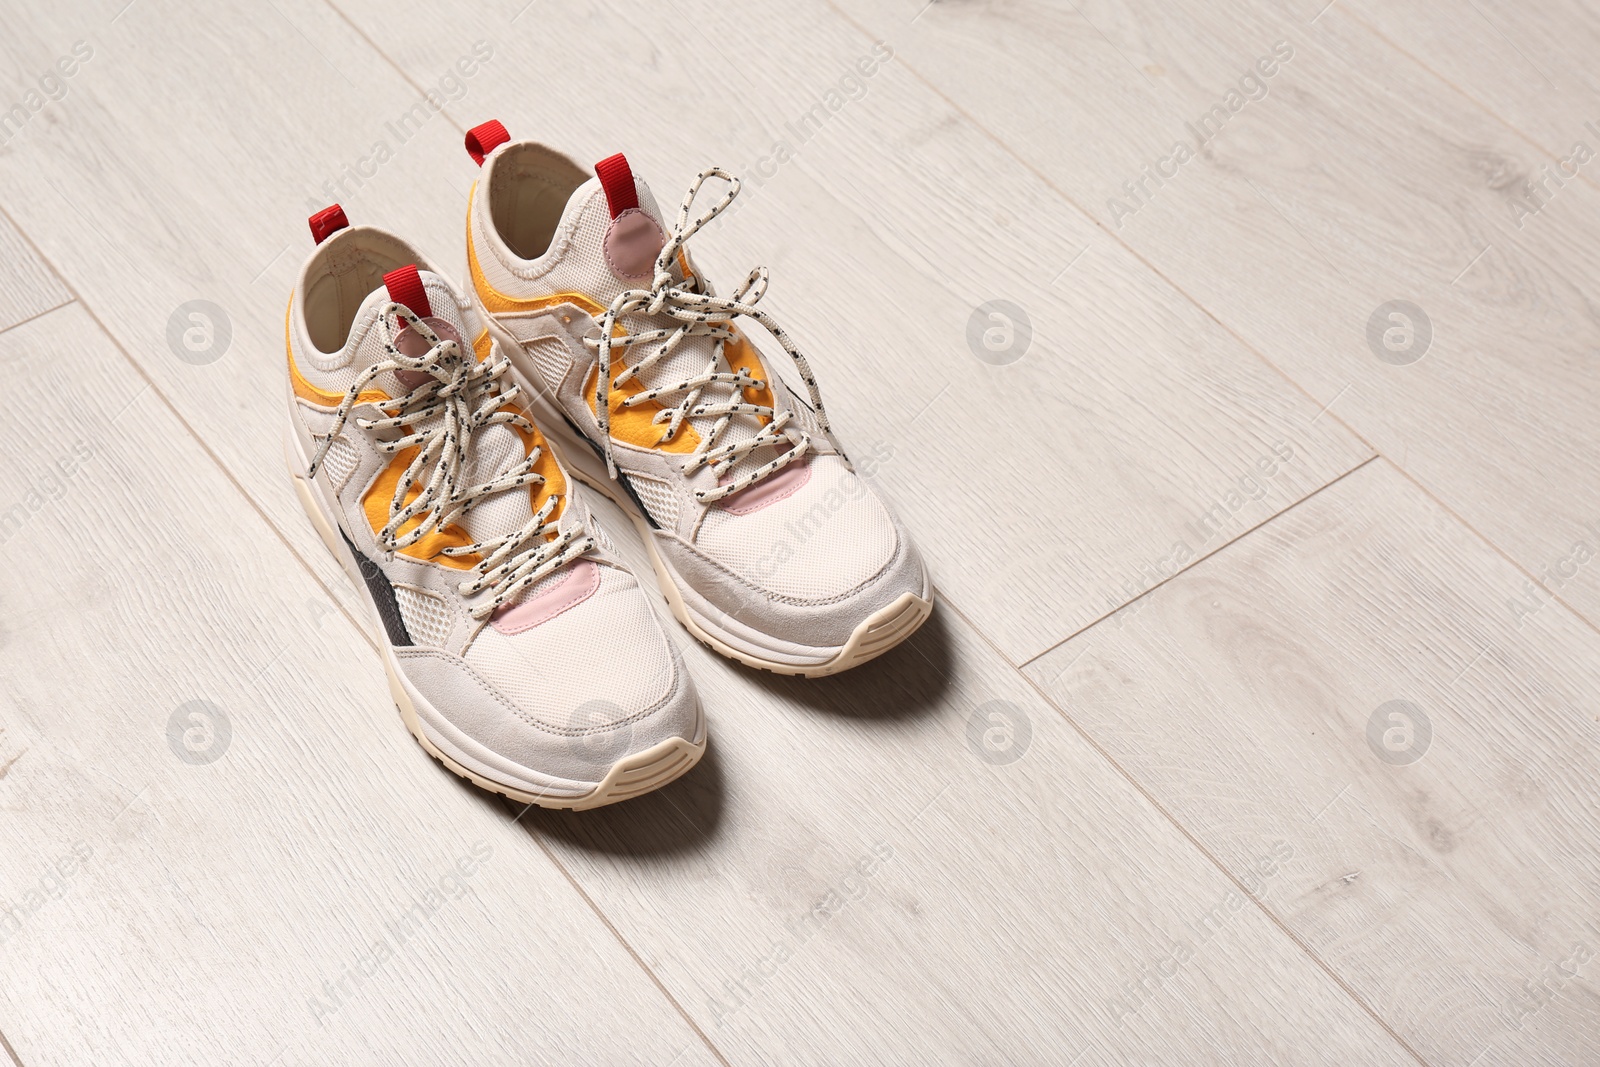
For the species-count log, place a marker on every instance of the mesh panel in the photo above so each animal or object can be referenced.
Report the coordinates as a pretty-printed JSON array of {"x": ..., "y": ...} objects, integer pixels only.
[
  {"x": 340, "y": 461},
  {"x": 364, "y": 347},
  {"x": 608, "y": 650},
  {"x": 496, "y": 449},
  {"x": 659, "y": 499},
  {"x": 576, "y": 262},
  {"x": 831, "y": 549},
  {"x": 550, "y": 359},
  {"x": 427, "y": 619}
]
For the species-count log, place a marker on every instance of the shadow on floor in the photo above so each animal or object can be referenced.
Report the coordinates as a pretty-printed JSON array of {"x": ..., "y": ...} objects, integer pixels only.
[
  {"x": 907, "y": 681},
  {"x": 679, "y": 819},
  {"x": 683, "y": 818}
]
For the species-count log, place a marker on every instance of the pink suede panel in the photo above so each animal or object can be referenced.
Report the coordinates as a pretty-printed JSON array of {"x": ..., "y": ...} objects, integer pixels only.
[
  {"x": 413, "y": 344},
  {"x": 633, "y": 241},
  {"x": 581, "y": 582},
  {"x": 769, "y": 490}
]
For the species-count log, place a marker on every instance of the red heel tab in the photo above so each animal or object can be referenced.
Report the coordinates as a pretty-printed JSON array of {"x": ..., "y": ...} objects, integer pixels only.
[
  {"x": 327, "y": 222},
  {"x": 405, "y": 287},
  {"x": 481, "y": 140},
  {"x": 617, "y": 179}
]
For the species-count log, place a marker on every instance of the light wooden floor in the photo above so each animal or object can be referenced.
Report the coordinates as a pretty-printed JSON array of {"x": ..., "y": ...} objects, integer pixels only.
[{"x": 1258, "y": 722}]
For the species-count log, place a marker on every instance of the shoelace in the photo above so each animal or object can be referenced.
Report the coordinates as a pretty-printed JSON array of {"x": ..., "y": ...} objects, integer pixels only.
[
  {"x": 467, "y": 394},
  {"x": 704, "y": 314}
]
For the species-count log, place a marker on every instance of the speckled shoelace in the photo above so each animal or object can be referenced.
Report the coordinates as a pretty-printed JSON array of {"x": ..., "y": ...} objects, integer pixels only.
[
  {"x": 702, "y": 313},
  {"x": 460, "y": 397}
]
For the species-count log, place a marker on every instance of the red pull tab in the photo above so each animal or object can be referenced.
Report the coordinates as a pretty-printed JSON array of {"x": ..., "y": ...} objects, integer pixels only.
[
  {"x": 483, "y": 139},
  {"x": 617, "y": 178},
  {"x": 405, "y": 287},
  {"x": 327, "y": 222}
]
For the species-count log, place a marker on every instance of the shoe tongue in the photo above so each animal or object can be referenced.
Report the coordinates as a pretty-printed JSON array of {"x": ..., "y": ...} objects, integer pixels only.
[
  {"x": 495, "y": 449},
  {"x": 607, "y": 255},
  {"x": 427, "y": 296},
  {"x": 611, "y": 244}
]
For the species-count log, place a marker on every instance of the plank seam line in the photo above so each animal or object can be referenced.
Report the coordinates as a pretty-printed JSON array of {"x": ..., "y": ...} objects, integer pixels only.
[
  {"x": 228, "y": 473},
  {"x": 1372, "y": 451},
  {"x": 15, "y": 1059},
  {"x": 1290, "y": 380},
  {"x": 1532, "y": 142},
  {"x": 39, "y": 314},
  {"x": 1214, "y": 860},
  {"x": 1045, "y": 180},
  {"x": 422, "y": 90},
  {"x": 1490, "y": 544},
  {"x": 623, "y": 941},
  {"x": 1241, "y": 535}
]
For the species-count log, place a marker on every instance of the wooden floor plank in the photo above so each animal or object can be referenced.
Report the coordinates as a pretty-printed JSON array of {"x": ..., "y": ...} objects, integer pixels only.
[
  {"x": 31, "y": 288},
  {"x": 302, "y": 885},
  {"x": 1528, "y": 65},
  {"x": 1353, "y": 179},
  {"x": 290, "y": 913},
  {"x": 919, "y": 862},
  {"x": 1148, "y": 413},
  {"x": 210, "y": 902},
  {"x": 857, "y": 873},
  {"x": 1347, "y": 678},
  {"x": 171, "y": 184}
]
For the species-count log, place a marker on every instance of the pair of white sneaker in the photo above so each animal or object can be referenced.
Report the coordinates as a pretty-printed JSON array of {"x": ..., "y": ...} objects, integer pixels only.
[{"x": 438, "y": 443}]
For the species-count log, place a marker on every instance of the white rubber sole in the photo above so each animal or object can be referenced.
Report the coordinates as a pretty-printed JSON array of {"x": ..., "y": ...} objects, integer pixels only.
[
  {"x": 633, "y": 775},
  {"x": 872, "y": 637}
]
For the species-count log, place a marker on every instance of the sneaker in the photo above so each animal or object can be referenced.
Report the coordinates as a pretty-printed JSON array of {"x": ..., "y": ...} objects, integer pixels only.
[
  {"x": 768, "y": 545},
  {"x": 522, "y": 653}
]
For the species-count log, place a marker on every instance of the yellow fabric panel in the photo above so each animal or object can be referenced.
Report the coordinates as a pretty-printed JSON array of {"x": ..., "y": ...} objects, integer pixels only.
[
  {"x": 554, "y": 481},
  {"x": 376, "y": 505},
  {"x": 376, "y": 502},
  {"x": 497, "y": 302},
  {"x": 741, "y": 355},
  {"x": 636, "y": 425}
]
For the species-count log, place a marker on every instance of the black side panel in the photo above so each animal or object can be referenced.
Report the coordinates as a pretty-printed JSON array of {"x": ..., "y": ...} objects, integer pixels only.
[
  {"x": 622, "y": 478},
  {"x": 382, "y": 595}
]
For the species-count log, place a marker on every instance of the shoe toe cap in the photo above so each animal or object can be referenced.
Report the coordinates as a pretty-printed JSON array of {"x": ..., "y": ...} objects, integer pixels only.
[
  {"x": 808, "y": 567},
  {"x": 823, "y": 540},
  {"x": 570, "y": 697}
]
